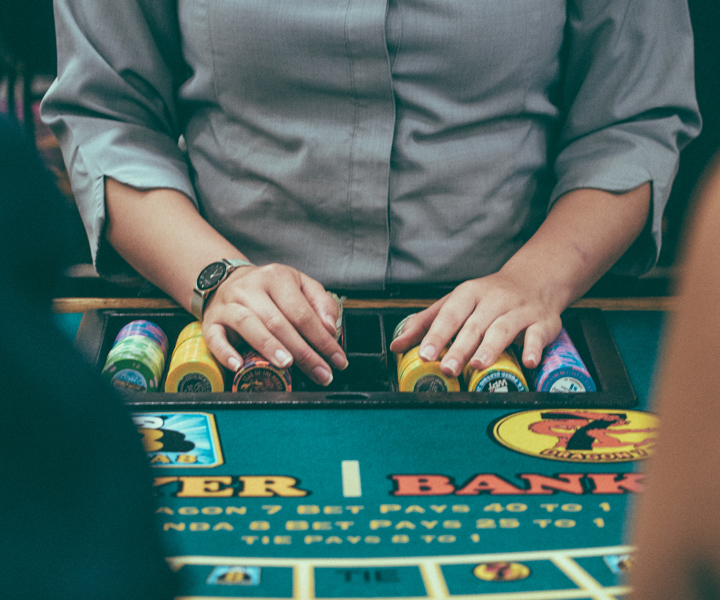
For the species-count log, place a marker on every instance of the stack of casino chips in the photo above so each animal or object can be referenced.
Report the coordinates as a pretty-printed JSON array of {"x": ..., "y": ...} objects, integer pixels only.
[
  {"x": 417, "y": 375},
  {"x": 258, "y": 374},
  {"x": 193, "y": 368},
  {"x": 339, "y": 300},
  {"x": 137, "y": 359},
  {"x": 561, "y": 369},
  {"x": 400, "y": 325},
  {"x": 505, "y": 375}
]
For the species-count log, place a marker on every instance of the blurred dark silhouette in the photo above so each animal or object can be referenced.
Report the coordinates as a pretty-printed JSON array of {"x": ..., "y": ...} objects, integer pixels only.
[
  {"x": 27, "y": 44},
  {"x": 76, "y": 507}
]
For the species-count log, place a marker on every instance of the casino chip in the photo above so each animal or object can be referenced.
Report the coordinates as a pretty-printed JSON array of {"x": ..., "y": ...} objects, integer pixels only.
[
  {"x": 417, "y": 375},
  {"x": 399, "y": 327},
  {"x": 339, "y": 300},
  {"x": 504, "y": 376},
  {"x": 193, "y": 368},
  {"x": 258, "y": 374},
  {"x": 561, "y": 369},
  {"x": 136, "y": 361}
]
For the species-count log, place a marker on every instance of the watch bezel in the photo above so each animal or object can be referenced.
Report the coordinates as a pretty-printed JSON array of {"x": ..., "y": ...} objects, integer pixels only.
[{"x": 216, "y": 278}]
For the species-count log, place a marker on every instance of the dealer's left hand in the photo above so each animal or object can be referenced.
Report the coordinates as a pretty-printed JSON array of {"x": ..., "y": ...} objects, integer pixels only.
[
  {"x": 559, "y": 263},
  {"x": 484, "y": 316}
]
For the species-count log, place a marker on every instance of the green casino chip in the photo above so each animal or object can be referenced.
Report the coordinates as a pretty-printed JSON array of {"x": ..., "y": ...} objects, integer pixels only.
[{"x": 130, "y": 374}]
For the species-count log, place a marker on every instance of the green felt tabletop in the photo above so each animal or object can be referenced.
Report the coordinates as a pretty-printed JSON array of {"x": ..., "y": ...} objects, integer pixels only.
[{"x": 387, "y": 502}]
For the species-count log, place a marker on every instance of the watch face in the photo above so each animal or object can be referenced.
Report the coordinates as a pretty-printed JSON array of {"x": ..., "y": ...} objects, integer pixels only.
[{"x": 211, "y": 275}]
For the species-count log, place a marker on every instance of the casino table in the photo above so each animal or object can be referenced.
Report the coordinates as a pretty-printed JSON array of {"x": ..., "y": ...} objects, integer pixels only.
[{"x": 304, "y": 499}]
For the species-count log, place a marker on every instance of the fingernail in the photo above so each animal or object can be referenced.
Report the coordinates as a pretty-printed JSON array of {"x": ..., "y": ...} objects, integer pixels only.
[
  {"x": 234, "y": 363},
  {"x": 483, "y": 358},
  {"x": 283, "y": 358},
  {"x": 322, "y": 375},
  {"x": 452, "y": 365},
  {"x": 427, "y": 352},
  {"x": 531, "y": 359},
  {"x": 339, "y": 361}
]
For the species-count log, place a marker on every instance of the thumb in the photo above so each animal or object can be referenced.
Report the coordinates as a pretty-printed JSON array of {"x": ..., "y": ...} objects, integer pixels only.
[{"x": 327, "y": 305}]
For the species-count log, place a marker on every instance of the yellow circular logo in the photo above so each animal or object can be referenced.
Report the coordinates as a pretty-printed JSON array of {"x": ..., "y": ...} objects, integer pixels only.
[
  {"x": 501, "y": 571},
  {"x": 593, "y": 435}
]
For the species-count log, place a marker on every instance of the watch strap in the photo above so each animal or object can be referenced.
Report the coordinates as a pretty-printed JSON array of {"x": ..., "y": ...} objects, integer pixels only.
[
  {"x": 197, "y": 304},
  {"x": 237, "y": 262}
]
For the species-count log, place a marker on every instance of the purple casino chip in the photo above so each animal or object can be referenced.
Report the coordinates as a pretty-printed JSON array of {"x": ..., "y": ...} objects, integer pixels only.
[
  {"x": 147, "y": 329},
  {"x": 561, "y": 369}
]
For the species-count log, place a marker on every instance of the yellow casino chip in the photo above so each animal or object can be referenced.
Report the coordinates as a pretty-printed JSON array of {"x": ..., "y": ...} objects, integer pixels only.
[
  {"x": 193, "y": 368},
  {"x": 192, "y": 330},
  {"x": 505, "y": 375},
  {"x": 199, "y": 375},
  {"x": 417, "y": 375}
]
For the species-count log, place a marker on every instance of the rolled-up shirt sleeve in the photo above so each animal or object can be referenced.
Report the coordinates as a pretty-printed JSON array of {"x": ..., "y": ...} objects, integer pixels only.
[
  {"x": 113, "y": 106},
  {"x": 630, "y": 107},
  {"x": 625, "y": 98}
]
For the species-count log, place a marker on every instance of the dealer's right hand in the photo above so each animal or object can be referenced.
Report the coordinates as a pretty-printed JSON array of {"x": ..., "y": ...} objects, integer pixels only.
[{"x": 285, "y": 315}]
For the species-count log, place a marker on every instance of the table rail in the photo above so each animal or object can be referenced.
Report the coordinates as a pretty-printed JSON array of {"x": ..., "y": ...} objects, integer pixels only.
[{"x": 78, "y": 305}]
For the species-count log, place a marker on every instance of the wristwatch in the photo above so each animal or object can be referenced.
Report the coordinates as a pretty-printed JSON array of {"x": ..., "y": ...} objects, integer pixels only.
[{"x": 210, "y": 279}]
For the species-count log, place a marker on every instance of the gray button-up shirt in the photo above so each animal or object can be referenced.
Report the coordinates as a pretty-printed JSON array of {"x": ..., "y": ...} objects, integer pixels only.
[{"x": 366, "y": 142}]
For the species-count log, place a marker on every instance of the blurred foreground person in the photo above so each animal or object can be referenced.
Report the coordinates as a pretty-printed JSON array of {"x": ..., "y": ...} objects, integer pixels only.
[
  {"x": 678, "y": 519},
  {"x": 76, "y": 510}
]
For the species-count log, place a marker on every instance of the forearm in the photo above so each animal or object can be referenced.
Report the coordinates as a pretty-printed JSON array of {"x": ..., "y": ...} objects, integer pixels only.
[
  {"x": 584, "y": 234},
  {"x": 277, "y": 310},
  {"x": 174, "y": 242}
]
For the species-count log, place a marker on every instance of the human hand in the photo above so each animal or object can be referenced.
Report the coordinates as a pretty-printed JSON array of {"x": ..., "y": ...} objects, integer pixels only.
[
  {"x": 557, "y": 265},
  {"x": 282, "y": 313},
  {"x": 484, "y": 316}
]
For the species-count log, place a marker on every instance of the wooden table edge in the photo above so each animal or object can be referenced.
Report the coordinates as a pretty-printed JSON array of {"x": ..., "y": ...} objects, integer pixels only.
[{"x": 79, "y": 305}]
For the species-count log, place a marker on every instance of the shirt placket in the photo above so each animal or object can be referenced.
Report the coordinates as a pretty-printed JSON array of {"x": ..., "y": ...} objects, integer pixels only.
[{"x": 372, "y": 139}]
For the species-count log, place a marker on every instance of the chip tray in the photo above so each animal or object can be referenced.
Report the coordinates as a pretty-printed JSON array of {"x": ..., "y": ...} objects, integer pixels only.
[{"x": 371, "y": 379}]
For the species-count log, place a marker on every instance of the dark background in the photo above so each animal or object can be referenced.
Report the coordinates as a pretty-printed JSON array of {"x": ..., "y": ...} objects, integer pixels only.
[{"x": 27, "y": 64}]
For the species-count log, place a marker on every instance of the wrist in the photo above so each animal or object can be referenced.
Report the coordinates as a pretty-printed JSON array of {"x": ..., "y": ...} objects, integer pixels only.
[
  {"x": 547, "y": 281},
  {"x": 210, "y": 279}
]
